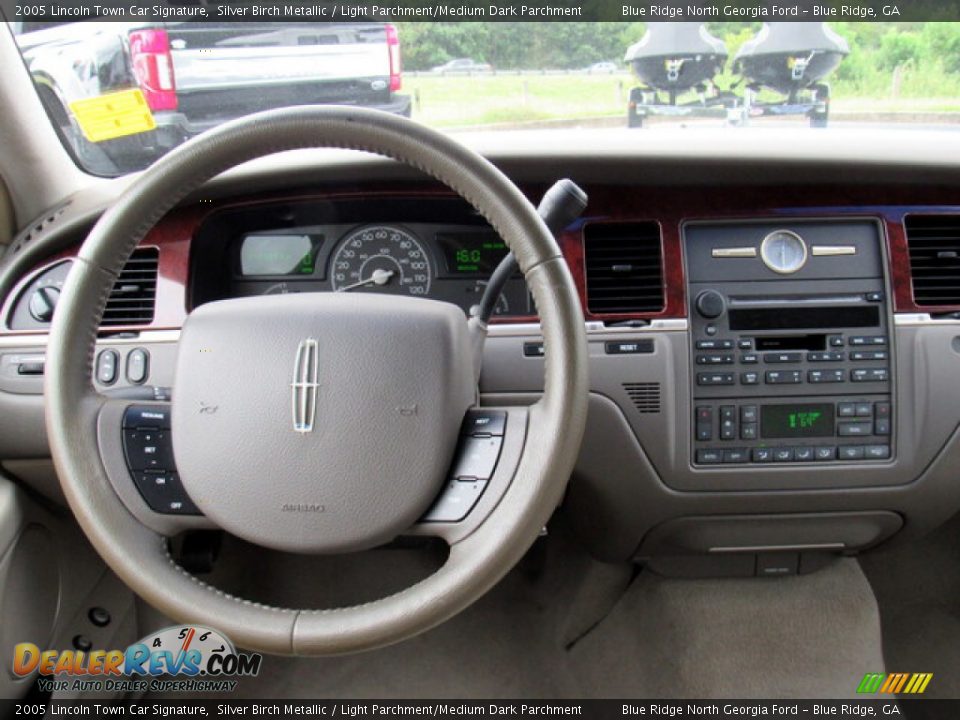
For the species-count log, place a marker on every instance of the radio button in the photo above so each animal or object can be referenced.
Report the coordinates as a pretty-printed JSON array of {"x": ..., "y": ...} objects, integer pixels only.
[
  {"x": 825, "y": 453},
  {"x": 722, "y": 359},
  {"x": 851, "y": 452},
  {"x": 854, "y": 429},
  {"x": 714, "y": 378},
  {"x": 783, "y": 454},
  {"x": 750, "y": 378},
  {"x": 874, "y": 297},
  {"x": 791, "y": 357},
  {"x": 803, "y": 454},
  {"x": 738, "y": 455},
  {"x": 762, "y": 455},
  {"x": 825, "y": 376},
  {"x": 784, "y": 377},
  {"x": 745, "y": 344},
  {"x": 869, "y": 355},
  {"x": 876, "y": 452},
  {"x": 871, "y": 375},
  {"x": 836, "y": 341},
  {"x": 847, "y": 409},
  {"x": 749, "y": 358},
  {"x": 709, "y": 456},
  {"x": 862, "y": 340},
  {"x": 829, "y": 356},
  {"x": 714, "y": 344}
]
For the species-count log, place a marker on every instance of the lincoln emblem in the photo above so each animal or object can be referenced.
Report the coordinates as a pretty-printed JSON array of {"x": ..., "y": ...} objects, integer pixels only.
[{"x": 304, "y": 386}]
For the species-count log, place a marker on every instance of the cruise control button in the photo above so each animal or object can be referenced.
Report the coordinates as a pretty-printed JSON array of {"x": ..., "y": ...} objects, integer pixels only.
[
  {"x": 148, "y": 449},
  {"x": 147, "y": 416},
  {"x": 854, "y": 429},
  {"x": 851, "y": 452},
  {"x": 485, "y": 422},
  {"x": 164, "y": 493},
  {"x": 107, "y": 362},
  {"x": 457, "y": 499},
  {"x": 477, "y": 457}
]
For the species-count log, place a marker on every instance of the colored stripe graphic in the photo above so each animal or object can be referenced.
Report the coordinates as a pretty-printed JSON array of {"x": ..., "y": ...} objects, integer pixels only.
[{"x": 894, "y": 683}]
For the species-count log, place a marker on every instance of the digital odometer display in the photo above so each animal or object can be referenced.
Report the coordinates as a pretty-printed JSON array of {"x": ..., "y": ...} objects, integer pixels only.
[
  {"x": 472, "y": 253},
  {"x": 797, "y": 421},
  {"x": 274, "y": 254}
]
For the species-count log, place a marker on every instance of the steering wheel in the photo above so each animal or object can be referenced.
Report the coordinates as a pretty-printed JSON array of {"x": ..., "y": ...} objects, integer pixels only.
[{"x": 337, "y": 416}]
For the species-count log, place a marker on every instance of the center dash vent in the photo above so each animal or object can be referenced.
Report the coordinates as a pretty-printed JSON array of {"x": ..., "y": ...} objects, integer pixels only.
[
  {"x": 134, "y": 294},
  {"x": 645, "y": 396},
  {"x": 934, "y": 243},
  {"x": 624, "y": 267}
]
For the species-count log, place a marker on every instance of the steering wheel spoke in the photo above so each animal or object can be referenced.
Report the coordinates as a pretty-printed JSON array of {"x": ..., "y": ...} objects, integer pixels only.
[
  {"x": 135, "y": 445},
  {"x": 483, "y": 467}
]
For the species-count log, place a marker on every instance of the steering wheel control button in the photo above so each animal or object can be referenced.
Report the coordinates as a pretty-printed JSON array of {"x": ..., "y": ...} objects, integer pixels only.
[
  {"x": 138, "y": 365},
  {"x": 148, "y": 449},
  {"x": 477, "y": 457},
  {"x": 456, "y": 501},
  {"x": 485, "y": 422},
  {"x": 164, "y": 493},
  {"x": 147, "y": 416},
  {"x": 107, "y": 363}
]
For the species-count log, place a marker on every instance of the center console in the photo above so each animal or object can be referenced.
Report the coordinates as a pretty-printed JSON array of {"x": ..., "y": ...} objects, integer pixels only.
[{"x": 791, "y": 357}]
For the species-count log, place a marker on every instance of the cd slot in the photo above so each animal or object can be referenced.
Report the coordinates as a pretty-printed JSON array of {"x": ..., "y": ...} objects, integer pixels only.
[
  {"x": 791, "y": 342},
  {"x": 802, "y": 318}
]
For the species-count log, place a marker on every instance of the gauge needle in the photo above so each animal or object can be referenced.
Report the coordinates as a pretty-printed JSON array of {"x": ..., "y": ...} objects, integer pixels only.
[{"x": 379, "y": 277}]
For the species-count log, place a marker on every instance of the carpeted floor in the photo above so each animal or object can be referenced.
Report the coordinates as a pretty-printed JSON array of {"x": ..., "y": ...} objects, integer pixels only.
[{"x": 563, "y": 625}]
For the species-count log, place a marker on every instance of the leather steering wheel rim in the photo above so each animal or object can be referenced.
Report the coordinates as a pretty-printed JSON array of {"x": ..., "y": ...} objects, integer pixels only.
[{"x": 556, "y": 422}]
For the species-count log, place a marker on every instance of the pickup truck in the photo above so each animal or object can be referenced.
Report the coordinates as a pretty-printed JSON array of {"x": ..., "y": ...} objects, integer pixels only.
[{"x": 194, "y": 76}]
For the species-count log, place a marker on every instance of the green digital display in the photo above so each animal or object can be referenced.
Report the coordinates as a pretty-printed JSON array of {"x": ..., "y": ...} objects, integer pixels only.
[
  {"x": 472, "y": 252},
  {"x": 797, "y": 421}
]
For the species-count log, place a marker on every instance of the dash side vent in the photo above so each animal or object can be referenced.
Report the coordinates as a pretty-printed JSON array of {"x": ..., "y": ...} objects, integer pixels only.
[
  {"x": 934, "y": 244},
  {"x": 133, "y": 298},
  {"x": 624, "y": 268},
  {"x": 644, "y": 396}
]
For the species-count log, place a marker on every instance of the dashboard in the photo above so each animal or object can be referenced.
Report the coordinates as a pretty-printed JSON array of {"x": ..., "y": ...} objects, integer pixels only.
[{"x": 774, "y": 348}]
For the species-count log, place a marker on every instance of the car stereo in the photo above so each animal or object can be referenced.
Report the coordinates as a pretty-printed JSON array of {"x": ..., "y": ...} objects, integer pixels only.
[{"x": 792, "y": 363}]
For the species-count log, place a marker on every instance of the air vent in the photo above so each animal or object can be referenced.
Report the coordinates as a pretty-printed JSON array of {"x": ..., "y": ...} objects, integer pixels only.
[
  {"x": 645, "y": 396},
  {"x": 134, "y": 294},
  {"x": 934, "y": 242},
  {"x": 624, "y": 268}
]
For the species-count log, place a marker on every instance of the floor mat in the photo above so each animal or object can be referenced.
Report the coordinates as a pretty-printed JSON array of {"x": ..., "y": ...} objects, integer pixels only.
[{"x": 806, "y": 636}]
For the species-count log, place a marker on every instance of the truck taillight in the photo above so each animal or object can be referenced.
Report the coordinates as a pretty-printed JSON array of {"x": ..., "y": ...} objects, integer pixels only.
[
  {"x": 153, "y": 67},
  {"x": 393, "y": 47}
]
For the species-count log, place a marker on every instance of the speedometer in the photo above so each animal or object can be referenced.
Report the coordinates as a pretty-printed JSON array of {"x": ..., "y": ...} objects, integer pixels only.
[{"x": 381, "y": 258}]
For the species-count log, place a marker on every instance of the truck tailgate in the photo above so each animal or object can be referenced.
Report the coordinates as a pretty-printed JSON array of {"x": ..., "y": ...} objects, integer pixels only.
[{"x": 228, "y": 56}]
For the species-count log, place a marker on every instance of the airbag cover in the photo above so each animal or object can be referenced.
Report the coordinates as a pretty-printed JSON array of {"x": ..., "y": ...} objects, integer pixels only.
[{"x": 393, "y": 379}]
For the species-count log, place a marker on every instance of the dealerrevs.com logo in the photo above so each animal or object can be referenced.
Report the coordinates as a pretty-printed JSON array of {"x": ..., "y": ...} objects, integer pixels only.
[{"x": 181, "y": 658}]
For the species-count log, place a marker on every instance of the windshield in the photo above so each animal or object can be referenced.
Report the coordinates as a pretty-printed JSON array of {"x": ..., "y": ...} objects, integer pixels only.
[{"x": 121, "y": 94}]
